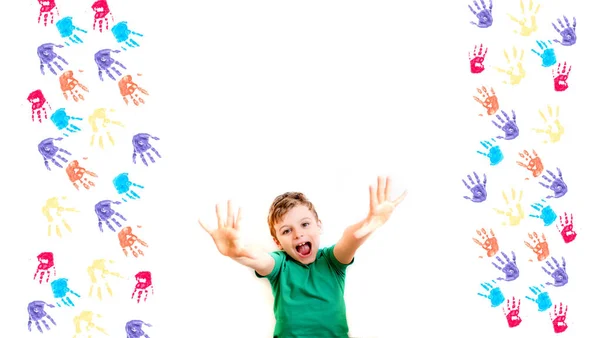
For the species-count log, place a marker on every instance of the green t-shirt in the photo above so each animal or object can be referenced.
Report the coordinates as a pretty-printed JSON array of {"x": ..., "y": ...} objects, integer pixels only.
[{"x": 309, "y": 299}]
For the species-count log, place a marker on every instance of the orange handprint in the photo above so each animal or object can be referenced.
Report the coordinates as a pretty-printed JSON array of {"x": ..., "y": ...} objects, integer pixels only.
[
  {"x": 76, "y": 175},
  {"x": 489, "y": 102},
  {"x": 538, "y": 246},
  {"x": 128, "y": 88},
  {"x": 128, "y": 240},
  {"x": 489, "y": 243},
  {"x": 534, "y": 163},
  {"x": 68, "y": 83}
]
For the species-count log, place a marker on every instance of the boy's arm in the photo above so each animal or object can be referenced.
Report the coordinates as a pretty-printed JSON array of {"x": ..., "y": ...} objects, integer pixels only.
[
  {"x": 346, "y": 247},
  {"x": 260, "y": 261}
]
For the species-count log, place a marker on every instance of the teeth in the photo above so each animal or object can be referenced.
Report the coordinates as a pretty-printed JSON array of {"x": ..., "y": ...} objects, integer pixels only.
[{"x": 301, "y": 244}]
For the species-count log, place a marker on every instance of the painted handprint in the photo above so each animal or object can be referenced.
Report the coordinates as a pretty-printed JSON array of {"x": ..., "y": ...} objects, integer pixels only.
[
  {"x": 544, "y": 212},
  {"x": 98, "y": 273},
  {"x": 558, "y": 272},
  {"x": 124, "y": 35},
  {"x": 61, "y": 291},
  {"x": 476, "y": 60},
  {"x": 143, "y": 286},
  {"x": 514, "y": 70},
  {"x": 567, "y": 33},
  {"x": 49, "y": 57},
  {"x": 37, "y": 315},
  {"x": 511, "y": 312},
  {"x": 539, "y": 246},
  {"x": 129, "y": 90},
  {"x": 134, "y": 329},
  {"x": 540, "y": 297},
  {"x": 489, "y": 243},
  {"x": 508, "y": 125},
  {"x": 100, "y": 123},
  {"x": 558, "y": 318},
  {"x": 560, "y": 76},
  {"x": 45, "y": 267},
  {"x": 77, "y": 175},
  {"x": 106, "y": 63},
  {"x": 48, "y": 9},
  {"x": 39, "y": 105},
  {"x": 101, "y": 15},
  {"x": 492, "y": 151},
  {"x": 124, "y": 186},
  {"x": 554, "y": 130},
  {"x": 566, "y": 228},
  {"x": 514, "y": 211},
  {"x": 70, "y": 86},
  {"x": 557, "y": 184},
  {"x": 494, "y": 294},
  {"x": 128, "y": 241},
  {"x": 50, "y": 152},
  {"x": 508, "y": 266},
  {"x": 533, "y": 162},
  {"x": 53, "y": 209},
  {"x": 106, "y": 215},
  {"x": 142, "y": 146},
  {"x": 489, "y": 101},
  {"x": 65, "y": 122},
  {"x": 527, "y": 21},
  {"x": 477, "y": 188},
  {"x": 546, "y": 53},
  {"x": 67, "y": 31},
  {"x": 87, "y": 317},
  {"x": 483, "y": 14}
]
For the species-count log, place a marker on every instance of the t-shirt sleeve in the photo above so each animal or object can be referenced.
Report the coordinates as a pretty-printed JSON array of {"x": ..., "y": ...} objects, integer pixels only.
[
  {"x": 338, "y": 267},
  {"x": 279, "y": 257}
]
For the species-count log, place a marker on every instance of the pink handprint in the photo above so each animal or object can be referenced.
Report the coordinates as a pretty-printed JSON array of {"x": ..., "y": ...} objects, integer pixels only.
[
  {"x": 559, "y": 317},
  {"x": 511, "y": 312},
  {"x": 477, "y": 59},
  {"x": 45, "y": 266},
  {"x": 561, "y": 75},
  {"x": 566, "y": 228},
  {"x": 39, "y": 105}
]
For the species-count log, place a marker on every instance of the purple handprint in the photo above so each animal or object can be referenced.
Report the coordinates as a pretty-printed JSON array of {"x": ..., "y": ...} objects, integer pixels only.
[
  {"x": 48, "y": 57},
  {"x": 477, "y": 188},
  {"x": 507, "y": 125},
  {"x": 106, "y": 214},
  {"x": 508, "y": 267},
  {"x": 134, "y": 329},
  {"x": 483, "y": 14},
  {"x": 50, "y": 152},
  {"x": 106, "y": 63},
  {"x": 557, "y": 272},
  {"x": 557, "y": 184},
  {"x": 569, "y": 38},
  {"x": 141, "y": 146},
  {"x": 37, "y": 315}
]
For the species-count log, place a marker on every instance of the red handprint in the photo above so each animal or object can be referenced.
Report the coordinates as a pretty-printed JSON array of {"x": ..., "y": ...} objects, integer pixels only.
[
  {"x": 39, "y": 105},
  {"x": 144, "y": 282},
  {"x": 477, "y": 59},
  {"x": 560, "y": 77},
  {"x": 46, "y": 260},
  {"x": 566, "y": 228},
  {"x": 511, "y": 312},
  {"x": 101, "y": 14},
  {"x": 47, "y": 9},
  {"x": 558, "y": 318}
]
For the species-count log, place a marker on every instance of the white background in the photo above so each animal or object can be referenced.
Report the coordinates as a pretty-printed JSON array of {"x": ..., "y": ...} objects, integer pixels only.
[{"x": 252, "y": 99}]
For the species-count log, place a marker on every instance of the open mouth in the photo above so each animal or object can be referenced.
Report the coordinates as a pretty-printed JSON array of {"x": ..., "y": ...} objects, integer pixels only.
[{"x": 304, "y": 249}]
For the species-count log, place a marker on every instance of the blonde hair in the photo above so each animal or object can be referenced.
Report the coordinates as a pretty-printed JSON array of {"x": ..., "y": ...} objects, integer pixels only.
[{"x": 284, "y": 203}]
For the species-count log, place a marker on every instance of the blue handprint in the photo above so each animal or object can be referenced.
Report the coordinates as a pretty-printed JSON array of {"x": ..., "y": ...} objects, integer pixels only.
[
  {"x": 124, "y": 186},
  {"x": 557, "y": 272},
  {"x": 546, "y": 213},
  {"x": 493, "y": 151},
  {"x": 484, "y": 15},
  {"x": 557, "y": 184},
  {"x": 61, "y": 291},
  {"x": 477, "y": 188},
  {"x": 62, "y": 121},
  {"x": 507, "y": 125},
  {"x": 569, "y": 38},
  {"x": 507, "y": 266},
  {"x": 123, "y": 35},
  {"x": 495, "y": 295},
  {"x": 548, "y": 55},
  {"x": 542, "y": 298},
  {"x": 67, "y": 30}
]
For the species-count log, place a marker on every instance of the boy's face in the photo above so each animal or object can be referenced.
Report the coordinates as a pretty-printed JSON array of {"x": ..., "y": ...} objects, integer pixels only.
[{"x": 298, "y": 234}]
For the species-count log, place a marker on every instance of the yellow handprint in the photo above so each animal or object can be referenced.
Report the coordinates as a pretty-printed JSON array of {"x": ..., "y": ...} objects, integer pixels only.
[
  {"x": 99, "y": 265},
  {"x": 528, "y": 21},
  {"x": 87, "y": 317},
  {"x": 98, "y": 120},
  {"x": 554, "y": 129},
  {"x": 515, "y": 70},
  {"x": 53, "y": 203},
  {"x": 514, "y": 212}
]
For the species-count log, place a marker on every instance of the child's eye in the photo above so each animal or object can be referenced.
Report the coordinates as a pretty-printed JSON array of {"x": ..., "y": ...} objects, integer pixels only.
[
  {"x": 305, "y": 224},
  {"x": 285, "y": 232}
]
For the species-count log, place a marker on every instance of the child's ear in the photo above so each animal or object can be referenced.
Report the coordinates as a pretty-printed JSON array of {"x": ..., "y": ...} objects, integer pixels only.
[
  {"x": 319, "y": 224},
  {"x": 277, "y": 243}
]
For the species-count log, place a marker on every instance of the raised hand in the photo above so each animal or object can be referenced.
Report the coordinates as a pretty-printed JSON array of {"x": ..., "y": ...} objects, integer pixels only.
[
  {"x": 227, "y": 235},
  {"x": 381, "y": 207},
  {"x": 511, "y": 312},
  {"x": 558, "y": 272},
  {"x": 568, "y": 36},
  {"x": 477, "y": 188},
  {"x": 507, "y": 266},
  {"x": 566, "y": 228},
  {"x": 483, "y": 14},
  {"x": 489, "y": 243}
]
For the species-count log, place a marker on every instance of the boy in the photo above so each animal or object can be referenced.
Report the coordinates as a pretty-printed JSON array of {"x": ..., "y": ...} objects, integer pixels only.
[{"x": 307, "y": 282}]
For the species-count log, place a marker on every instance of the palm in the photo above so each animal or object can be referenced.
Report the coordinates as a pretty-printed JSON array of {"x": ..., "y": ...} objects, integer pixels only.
[
  {"x": 381, "y": 208},
  {"x": 227, "y": 235}
]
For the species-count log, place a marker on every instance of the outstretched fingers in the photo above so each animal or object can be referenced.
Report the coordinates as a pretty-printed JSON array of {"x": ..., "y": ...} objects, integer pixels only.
[
  {"x": 399, "y": 200},
  {"x": 230, "y": 219},
  {"x": 237, "y": 220}
]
